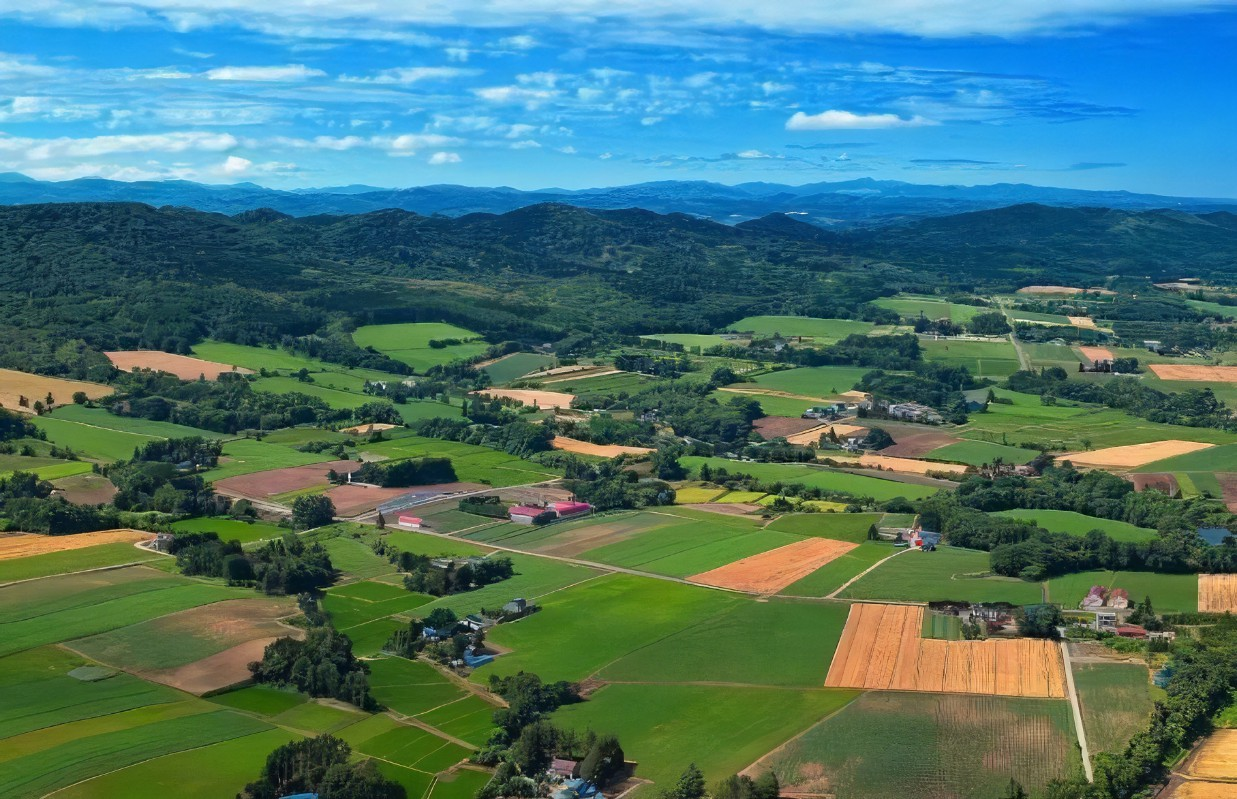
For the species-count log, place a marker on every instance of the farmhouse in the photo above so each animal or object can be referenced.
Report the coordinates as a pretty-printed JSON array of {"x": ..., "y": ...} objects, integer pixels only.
[
  {"x": 411, "y": 522},
  {"x": 530, "y": 514},
  {"x": 570, "y": 509},
  {"x": 567, "y": 769},
  {"x": 1094, "y": 598},
  {"x": 914, "y": 412}
]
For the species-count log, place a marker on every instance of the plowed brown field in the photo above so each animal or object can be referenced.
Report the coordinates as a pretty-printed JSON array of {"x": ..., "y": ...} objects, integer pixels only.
[
  {"x": 542, "y": 399},
  {"x": 909, "y": 465},
  {"x": 182, "y": 366},
  {"x": 1096, "y": 353},
  {"x": 1217, "y": 593},
  {"x": 601, "y": 450},
  {"x": 1082, "y": 321},
  {"x": 15, "y": 385},
  {"x": 882, "y": 649},
  {"x": 1216, "y": 759},
  {"x": 770, "y": 572},
  {"x": 1207, "y": 374},
  {"x": 23, "y": 545},
  {"x": 1134, "y": 454}
]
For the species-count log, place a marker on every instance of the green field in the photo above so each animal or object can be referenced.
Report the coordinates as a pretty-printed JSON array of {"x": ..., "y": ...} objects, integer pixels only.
[
  {"x": 1170, "y": 593},
  {"x": 348, "y": 610},
  {"x": 722, "y": 729},
  {"x": 851, "y": 527},
  {"x": 535, "y": 579},
  {"x": 255, "y": 358},
  {"x": 98, "y": 417},
  {"x": 978, "y": 453},
  {"x": 696, "y": 494},
  {"x": 1065, "y": 521},
  {"x": 516, "y": 365},
  {"x": 816, "y": 477},
  {"x": 44, "y": 468},
  {"x": 912, "y": 307},
  {"x": 334, "y": 397},
  {"x": 983, "y": 358},
  {"x": 810, "y": 381},
  {"x": 1116, "y": 702},
  {"x": 73, "y": 560},
  {"x": 823, "y": 331},
  {"x": 835, "y": 573},
  {"x": 718, "y": 649},
  {"x": 1213, "y": 459},
  {"x": 939, "y": 576},
  {"x": 410, "y": 343},
  {"x": 888, "y": 745},
  {"x": 473, "y": 464},
  {"x": 90, "y": 442},
  {"x": 247, "y": 455},
  {"x": 690, "y": 341},
  {"x": 232, "y": 529}
]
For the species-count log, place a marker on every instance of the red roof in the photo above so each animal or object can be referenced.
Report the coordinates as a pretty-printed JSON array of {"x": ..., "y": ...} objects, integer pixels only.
[
  {"x": 571, "y": 507},
  {"x": 525, "y": 510},
  {"x": 1131, "y": 630},
  {"x": 410, "y": 520}
]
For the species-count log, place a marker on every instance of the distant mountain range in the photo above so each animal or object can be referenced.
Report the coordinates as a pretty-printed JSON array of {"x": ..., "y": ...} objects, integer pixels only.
[{"x": 854, "y": 203}]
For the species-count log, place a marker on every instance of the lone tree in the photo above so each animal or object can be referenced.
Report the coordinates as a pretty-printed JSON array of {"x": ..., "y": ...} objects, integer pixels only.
[
  {"x": 312, "y": 510},
  {"x": 1040, "y": 621},
  {"x": 381, "y": 521}
]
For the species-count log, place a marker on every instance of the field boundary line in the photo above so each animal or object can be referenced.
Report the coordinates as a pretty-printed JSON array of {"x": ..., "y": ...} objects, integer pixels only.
[
  {"x": 1077, "y": 711},
  {"x": 82, "y": 571},
  {"x": 800, "y": 734},
  {"x": 865, "y": 572}
]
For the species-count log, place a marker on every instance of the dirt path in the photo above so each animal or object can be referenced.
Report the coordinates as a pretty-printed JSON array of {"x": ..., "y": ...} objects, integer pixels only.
[
  {"x": 1077, "y": 709},
  {"x": 1023, "y": 362},
  {"x": 863, "y": 573}
]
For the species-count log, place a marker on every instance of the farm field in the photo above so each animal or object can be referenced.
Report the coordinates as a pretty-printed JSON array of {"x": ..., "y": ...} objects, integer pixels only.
[
  {"x": 834, "y": 574},
  {"x": 98, "y": 417},
  {"x": 358, "y": 603},
  {"x": 769, "y": 572},
  {"x": 334, "y": 397},
  {"x": 1215, "y": 459},
  {"x": 98, "y": 556},
  {"x": 256, "y": 358},
  {"x": 1115, "y": 700},
  {"x": 183, "y": 366},
  {"x": 878, "y": 488},
  {"x": 939, "y": 576},
  {"x": 691, "y": 495},
  {"x": 603, "y": 384},
  {"x": 822, "y": 331},
  {"x": 600, "y": 450},
  {"x": 44, "y": 468},
  {"x": 1214, "y": 759},
  {"x": 516, "y": 365},
  {"x": 983, "y": 358},
  {"x": 14, "y": 385},
  {"x": 247, "y": 455},
  {"x": 851, "y": 527},
  {"x": 1064, "y": 521},
  {"x": 944, "y": 745},
  {"x": 473, "y": 464},
  {"x": 23, "y": 545},
  {"x": 1134, "y": 454},
  {"x": 882, "y": 648},
  {"x": 690, "y": 341},
  {"x": 978, "y": 453},
  {"x": 809, "y": 381},
  {"x": 1217, "y": 593},
  {"x": 1170, "y": 593},
  {"x": 535, "y": 579},
  {"x": 909, "y": 307},
  {"x": 232, "y": 529},
  {"x": 410, "y": 343},
  {"x": 91, "y": 442},
  {"x": 721, "y": 729}
]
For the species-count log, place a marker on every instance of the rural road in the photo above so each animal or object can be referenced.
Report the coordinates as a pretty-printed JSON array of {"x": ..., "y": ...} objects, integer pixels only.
[{"x": 1073, "y": 701}]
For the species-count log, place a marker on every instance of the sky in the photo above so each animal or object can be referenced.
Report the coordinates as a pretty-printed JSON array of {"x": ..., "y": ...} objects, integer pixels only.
[{"x": 1093, "y": 94}]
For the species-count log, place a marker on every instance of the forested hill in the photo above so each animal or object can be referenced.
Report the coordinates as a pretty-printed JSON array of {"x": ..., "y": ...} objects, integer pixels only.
[{"x": 124, "y": 275}]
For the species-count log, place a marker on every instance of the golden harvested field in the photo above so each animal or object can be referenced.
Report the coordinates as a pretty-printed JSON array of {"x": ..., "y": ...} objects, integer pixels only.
[
  {"x": 1083, "y": 321},
  {"x": 542, "y": 399},
  {"x": 367, "y": 429},
  {"x": 813, "y": 435},
  {"x": 1191, "y": 789},
  {"x": 882, "y": 648},
  {"x": 24, "y": 545},
  {"x": 1217, "y": 593},
  {"x": 770, "y": 572},
  {"x": 182, "y": 366},
  {"x": 1096, "y": 353},
  {"x": 909, "y": 465},
  {"x": 1068, "y": 290},
  {"x": 1216, "y": 759},
  {"x": 15, "y": 385},
  {"x": 1134, "y": 454},
  {"x": 1202, "y": 374},
  {"x": 601, "y": 450}
]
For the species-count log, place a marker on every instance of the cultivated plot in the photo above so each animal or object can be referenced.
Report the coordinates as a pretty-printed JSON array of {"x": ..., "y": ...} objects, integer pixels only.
[
  {"x": 948, "y": 574},
  {"x": 770, "y": 572},
  {"x": 16, "y": 386},
  {"x": 1217, "y": 593},
  {"x": 1115, "y": 700},
  {"x": 1134, "y": 455},
  {"x": 182, "y": 366}
]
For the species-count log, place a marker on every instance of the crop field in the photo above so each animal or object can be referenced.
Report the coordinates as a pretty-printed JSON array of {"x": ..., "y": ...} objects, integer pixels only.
[
  {"x": 73, "y": 560},
  {"x": 882, "y": 648},
  {"x": 602, "y": 384},
  {"x": 810, "y": 381},
  {"x": 769, "y": 572},
  {"x": 255, "y": 358},
  {"x": 696, "y": 494},
  {"x": 1215, "y": 459},
  {"x": 878, "y": 488},
  {"x": 358, "y": 603},
  {"x": 978, "y": 453},
  {"x": 98, "y": 417},
  {"x": 472, "y": 464},
  {"x": 232, "y": 529},
  {"x": 607, "y": 603},
  {"x": 516, "y": 365},
  {"x": 716, "y": 649},
  {"x": 943, "y": 745},
  {"x": 91, "y": 442},
  {"x": 355, "y": 558},
  {"x": 44, "y": 468},
  {"x": 1065, "y": 521},
  {"x": 1217, "y": 593},
  {"x": 721, "y": 729},
  {"x": 403, "y": 744},
  {"x": 851, "y": 527},
  {"x": 15, "y": 385},
  {"x": 1033, "y": 316},
  {"x": 182, "y": 366},
  {"x": 23, "y": 545},
  {"x": 983, "y": 358},
  {"x": 70, "y": 606},
  {"x": 247, "y": 455},
  {"x": 690, "y": 341},
  {"x": 1170, "y": 593},
  {"x": 946, "y": 574},
  {"x": 832, "y": 575},
  {"x": 909, "y": 307},
  {"x": 411, "y": 687},
  {"x": 410, "y": 343},
  {"x": 1134, "y": 454},
  {"x": 822, "y": 331},
  {"x": 1116, "y": 702},
  {"x": 1200, "y": 374},
  {"x": 334, "y": 397},
  {"x": 535, "y": 579},
  {"x": 1216, "y": 758},
  {"x": 1043, "y": 355},
  {"x": 600, "y": 450},
  {"x": 272, "y": 482},
  {"x": 470, "y": 718}
]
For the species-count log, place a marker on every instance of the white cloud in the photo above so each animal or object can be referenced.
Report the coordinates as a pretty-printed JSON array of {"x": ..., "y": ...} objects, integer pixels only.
[
  {"x": 531, "y": 98},
  {"x": 65, "y": 147},
  {"x": 526, "y": 144},
  {"x": 606, "y": 156},
  {"x": 440, "y": 158},
  {"x": 568, "y": 149},
  {"x": 699, "y": 80},
  {"x": 282, "y": 74},
  {"x": 409, "y": 75},
  {"x": 457, "y": 54},
  {"x": 650, "y": 121},
  {"x": 848, "y": 120},
  {"x": 753, "y": 154},
  {"x": 520, "y": 42},
  {"x": 29, "y": 108},
  {"x": 235, "y": 165},
  {"x": 773, "y": 87}
]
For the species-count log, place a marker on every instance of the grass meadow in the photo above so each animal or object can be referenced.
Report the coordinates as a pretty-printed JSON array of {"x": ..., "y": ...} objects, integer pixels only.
[
  {"x": 73, "y": 560},
  {"x": 247, "y": 455},
  {"x": 858, "y": 485},
  {"x": 945, "y": 574},
  {"x": 983, "y": 358},
  {"x": 1116, "y": 702},
  {"x": 810, "y": 381},
  {"x": 1065, "y": 521},
  {"x": 851, "y": 527},
  {"x": 978, "y": 453},
  {"x": 909, "y": 307},
  {"x": 822, "y": 331},
  {"x": 516, "y": 365},
  {"x": 473, "y": 464},
  {"x": 1170, "y": 593},
  {"x": 410, "y": 343},
  {"x": 232, "y": 529}
]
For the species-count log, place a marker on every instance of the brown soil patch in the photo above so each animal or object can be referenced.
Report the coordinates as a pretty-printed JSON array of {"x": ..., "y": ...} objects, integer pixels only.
[
  {"x": 727, "y": 508},
  {"x": 909, "y": 465},
  {"x": 352, "y": 499},
  {"x": 1097, "y": 353},
  {"x": 85, "y": 489},
  {"x": 260, "y": 485},
  {"x": 1217, "y": 593},
  {"x": 1193, "y": 789},
  {"x": 1228, "y": 489},
  {"x": 219, "y": 671},
  {"x": 809, "y": 437},
  {"x": 15, "y": 385},
  {"x": 770, "y": 572},
  {"x": 1202, "y": 374},
  {"x": 882, "y": 648},
  {"x": 542, "y": 399},
  {"x": 1083, "y": 321},
  {"x": 24, "y": 545},
  {"x": 913, "y": 445},
  {"x": 1134, "y": 454},
  {"x": 1216, "y": 759},
  {"x": 182, "y": 366},
  {"x": 601, "y": 450},
  {"x": 368, "y": 429},
  {"x": 771, "y": 427},
  {"x": 1163, "y": 482},
  {"x": 1067, "y": 290}
]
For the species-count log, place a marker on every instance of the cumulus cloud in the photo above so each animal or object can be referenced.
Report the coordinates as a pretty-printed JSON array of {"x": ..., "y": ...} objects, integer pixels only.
[
  {"x": 531, "y": 98},
  {"x": 235, "y": 165},
  {"x": 89, "y": 147},
  {"x": 409, "y": 75},
  {"x": 848, "y": 120},
  {"x": 439, "y": 158},
  {"x": 279, "y": 74}
]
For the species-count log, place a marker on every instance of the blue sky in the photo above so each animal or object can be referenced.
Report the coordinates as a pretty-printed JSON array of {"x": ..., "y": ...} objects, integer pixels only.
[{"x": 1095, "y": 94}]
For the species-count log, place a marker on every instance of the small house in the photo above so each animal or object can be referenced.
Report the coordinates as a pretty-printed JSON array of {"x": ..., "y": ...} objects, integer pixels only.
[
  {"x": 1119, "y": 599},
  {"x": 473, "y": 660},
  {"x": 476, "y": 622},
  {"x": 1105, "y": 620},
  {"x": 530, "y": 514},
  {"x": 567, "y": 769},
  {"x": 517, "y": 606},
  {"x": 411, "y": 522},
  {"x": 569, "y": 509},
  {"x": 1094, "y": 598},
  {"x": 1132, "y": 631}
]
